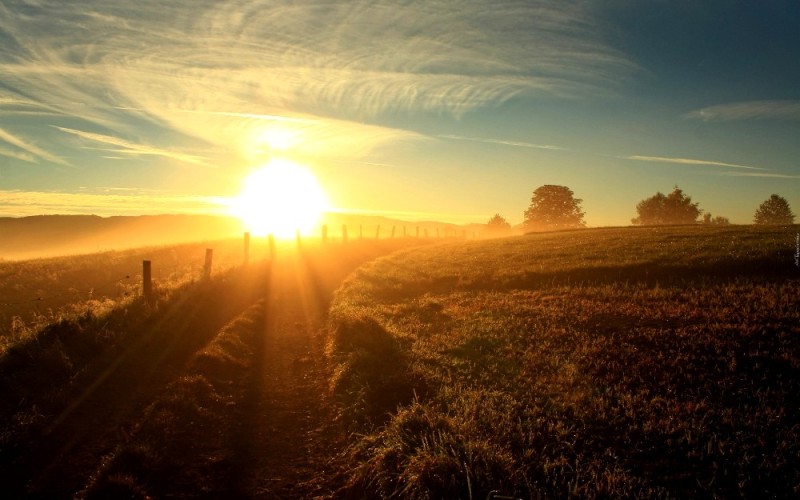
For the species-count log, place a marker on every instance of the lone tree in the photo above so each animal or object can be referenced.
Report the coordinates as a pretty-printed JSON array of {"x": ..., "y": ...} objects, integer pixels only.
[
  {"x": 498, "y": 225},
  {"x": 498, "y": 222},
  {"x": 674, "y": 208},
  {"x": 774, "y": 211},
  {"x": 710, "y": 220},
  {"x": 554, "y": 207}
]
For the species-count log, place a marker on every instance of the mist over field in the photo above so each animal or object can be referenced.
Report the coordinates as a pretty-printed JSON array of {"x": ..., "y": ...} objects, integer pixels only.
[
  {"x": 405, "y": 249},
  {"x": 649, "y": 362}
]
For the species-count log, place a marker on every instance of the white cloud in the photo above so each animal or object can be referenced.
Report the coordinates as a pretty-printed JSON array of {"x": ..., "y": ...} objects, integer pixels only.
[
  {"x": 687, "y": 161},
  {"x": 517, "y": 144},
  {"x": 30, "y": 148},
  {"x": 749, "y": 110},
  {"x": 130, "y": 148},
  {"x": 14, "y": 203},
  {"x": 761, "y": 174},
  {"x": 330, "y": 72},
  {"x": 19, "y": 155}
]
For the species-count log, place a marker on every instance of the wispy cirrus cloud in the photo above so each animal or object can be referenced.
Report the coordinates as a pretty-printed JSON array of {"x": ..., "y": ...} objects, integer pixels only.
[
  {"x": 134, "y": 149},
  {"x": 761, "y": 174},
  {"x": 687, "y": 161},
  {"x": 222, "y": 71},
  {"x": 17, "y": 203},
  {"x": 19, "y": 155},
  {"x": 32, "y": 151},
  {"x": 749, "y": 110},
  {"x": 516, "y": 144}
]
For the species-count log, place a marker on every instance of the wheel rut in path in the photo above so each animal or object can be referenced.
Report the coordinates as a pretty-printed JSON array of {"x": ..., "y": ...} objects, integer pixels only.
[{"x": 288, "y": 438}]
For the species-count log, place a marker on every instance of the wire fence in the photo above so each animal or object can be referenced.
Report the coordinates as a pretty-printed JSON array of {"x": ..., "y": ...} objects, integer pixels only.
[{"x": 37, "y": 291}]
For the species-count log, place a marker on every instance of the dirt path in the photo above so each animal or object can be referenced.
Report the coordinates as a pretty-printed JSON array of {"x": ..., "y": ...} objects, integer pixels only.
[
  {"x": 259, "y": 424},
  {"x": 288, "y": 436}
]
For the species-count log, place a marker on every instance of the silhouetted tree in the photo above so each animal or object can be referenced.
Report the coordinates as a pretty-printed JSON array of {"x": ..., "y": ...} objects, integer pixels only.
[
  {"x": 674, "y": 208},
  {"x": 498, "y": 225},
  {"x": 708, "y": 220},
  {"x": 498, "y": 222},
  {"x": 774, "y": 211},
  {"x": 554, "y": 207},
  {"x": 720, "y": 221}
]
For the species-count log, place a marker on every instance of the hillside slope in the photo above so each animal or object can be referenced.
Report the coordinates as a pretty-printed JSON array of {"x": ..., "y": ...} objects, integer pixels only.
[{"x": 645, "y": 362}]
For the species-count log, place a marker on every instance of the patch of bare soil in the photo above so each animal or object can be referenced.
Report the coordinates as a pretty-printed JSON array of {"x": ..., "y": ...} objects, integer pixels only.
[{"x": 290, "y": 441}]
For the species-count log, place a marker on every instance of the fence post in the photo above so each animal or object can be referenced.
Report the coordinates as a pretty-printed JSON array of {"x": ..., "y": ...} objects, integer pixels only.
[
  {"x": 271, "y": 247},
  {"x": 404, "y": 231},
  {"x": 426, "y": 233},
  {"x": 344, "y": 233},
  {"x": 324, "y": 233},
  {"x": 393, "y": 228},
  {"x": 147, "y": 281},
  {"x": 437, "y": 233},
  {"x": 378, "y": 232},
  {"x": 361, "y": 231},
  {"x": 417, "y": 232},
  {"x": 207, "y": 266},
  {"x": 246, "y": 248}
]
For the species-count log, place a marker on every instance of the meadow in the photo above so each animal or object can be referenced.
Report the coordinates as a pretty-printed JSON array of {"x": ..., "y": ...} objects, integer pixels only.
[
  {"x": 163, "y": 385},
  {"x": 630, "y": 362},
  {"x": 37, "y": 292},
  {"x": 635, "y": 362}
]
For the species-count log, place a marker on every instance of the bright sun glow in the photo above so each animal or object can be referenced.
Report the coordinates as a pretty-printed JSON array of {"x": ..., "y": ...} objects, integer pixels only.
[{"x": 279, "y": 199}]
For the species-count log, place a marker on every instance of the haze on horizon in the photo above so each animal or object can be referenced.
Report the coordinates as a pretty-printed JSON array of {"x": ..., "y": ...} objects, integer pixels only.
[{"x": 419, "y": 110}]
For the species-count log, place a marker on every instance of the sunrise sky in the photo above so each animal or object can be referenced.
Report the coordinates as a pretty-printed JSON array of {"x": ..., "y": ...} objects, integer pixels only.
[{"x": 446, "y": 110}]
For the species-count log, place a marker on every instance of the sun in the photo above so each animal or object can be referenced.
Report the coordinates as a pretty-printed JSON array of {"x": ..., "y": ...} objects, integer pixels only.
[{"x": 279, "y": 199}]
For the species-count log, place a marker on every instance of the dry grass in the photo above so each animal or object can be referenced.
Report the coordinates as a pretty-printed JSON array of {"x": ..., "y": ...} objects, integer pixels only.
[
  {"x": 181, "y": 444},
  {"x": 38, "y": 292},
  {"x": 646, "y": 362},
  {"x": 68, "y": 385}
]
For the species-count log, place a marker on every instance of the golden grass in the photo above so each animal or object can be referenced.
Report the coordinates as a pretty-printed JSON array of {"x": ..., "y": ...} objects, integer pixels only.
[{"x": 646, "y": 362}]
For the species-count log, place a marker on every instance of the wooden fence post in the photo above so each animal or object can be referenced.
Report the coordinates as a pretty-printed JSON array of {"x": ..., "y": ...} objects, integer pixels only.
[
  {"x": 378, "y": 232},
  {"x": 246, "y": 248},
  {"x": 393, "y": 228},
  {"x": 417, "y": 232},
  {"x": 344, "y": 233},
  {"x": 147, "y": 281},
  {"x": 324, "y": 233},
  {"x": 404, "y": 231},
  {"x": 426, "y": 233},
  {"x": 361, "y": 231},
  {"x": 207, "y": 266}
]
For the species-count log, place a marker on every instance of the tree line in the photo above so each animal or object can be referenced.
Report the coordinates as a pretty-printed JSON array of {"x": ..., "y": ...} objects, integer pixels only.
[{"x": 555, "y": 207}]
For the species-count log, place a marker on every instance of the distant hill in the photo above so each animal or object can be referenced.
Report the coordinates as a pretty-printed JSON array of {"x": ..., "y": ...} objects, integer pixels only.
[{"x": 54, "y": 235}]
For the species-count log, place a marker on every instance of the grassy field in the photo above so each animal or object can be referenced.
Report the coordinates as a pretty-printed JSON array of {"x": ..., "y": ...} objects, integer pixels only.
[
  {"x": 37, "y": 292},
  {"x": 648, "y": 362},
  {"x": 176, "y": 397}
]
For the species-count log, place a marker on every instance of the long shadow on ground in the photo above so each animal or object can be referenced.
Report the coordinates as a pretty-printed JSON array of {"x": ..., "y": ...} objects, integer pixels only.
[{"x": 121, "y": 366}]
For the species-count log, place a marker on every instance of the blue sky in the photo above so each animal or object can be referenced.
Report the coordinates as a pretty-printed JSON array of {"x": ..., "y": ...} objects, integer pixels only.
[{"x": 449, "y": 110}]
